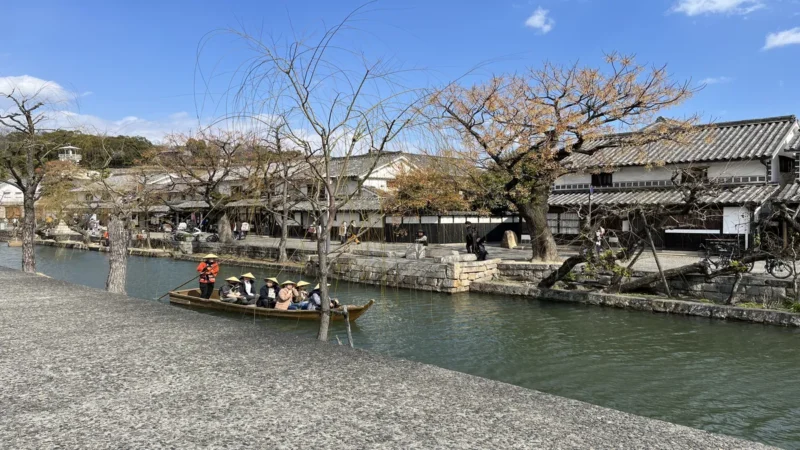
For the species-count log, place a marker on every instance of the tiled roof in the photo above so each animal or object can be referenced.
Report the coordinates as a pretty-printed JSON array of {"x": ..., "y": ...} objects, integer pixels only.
[
  {"x": 360, "y": 165},
  {"x": 736, "y": 195},
  {"x": 795, "y": 143},
  {"x": 725, "y": 141},
  {"x": 790, "y": 193}
]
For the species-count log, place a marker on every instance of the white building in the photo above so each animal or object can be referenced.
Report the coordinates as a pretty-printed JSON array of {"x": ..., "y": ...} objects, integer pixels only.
[{"x": 749, "y": 159}]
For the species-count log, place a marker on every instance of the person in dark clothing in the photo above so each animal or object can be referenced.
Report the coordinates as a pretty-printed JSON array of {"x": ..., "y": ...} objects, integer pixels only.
[
  {"x": 470, "y": 237},
  {"x": 268, "y": 294},
  {"x": 421, "y": 238},
  {"x": 480, "y": 249}
]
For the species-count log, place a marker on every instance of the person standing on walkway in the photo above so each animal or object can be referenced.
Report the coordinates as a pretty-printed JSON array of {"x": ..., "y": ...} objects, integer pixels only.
[
  {"x": 470, "y": 237},
  {"x": 209, "y": 269},
  {"x": 343, "y": 232},
  {"x": 353, "y": 233},
  {"x": 244, "y": 229}
]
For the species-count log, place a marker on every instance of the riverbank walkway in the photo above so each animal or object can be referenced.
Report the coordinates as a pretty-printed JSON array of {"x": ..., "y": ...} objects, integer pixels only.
[{"x": 80, "y": 368}]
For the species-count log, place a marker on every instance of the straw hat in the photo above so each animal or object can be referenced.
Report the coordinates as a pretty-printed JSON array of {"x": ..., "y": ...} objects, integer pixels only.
[
  {"x": 232, "y": 279},
  {"x": 210, "y": 256},
  {"x": 249, "y": 275},
  {"x": 287, "y": 282},
  {"x": 274, "y": 280},
  {"x": 302, "y": 283},
  {"x": 317, "y": 286}
]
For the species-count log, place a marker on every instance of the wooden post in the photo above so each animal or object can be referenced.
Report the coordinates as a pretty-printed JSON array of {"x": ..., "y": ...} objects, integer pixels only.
[
  {"x": 655, "y": 253},
  {"x": 347, "y": 324}
]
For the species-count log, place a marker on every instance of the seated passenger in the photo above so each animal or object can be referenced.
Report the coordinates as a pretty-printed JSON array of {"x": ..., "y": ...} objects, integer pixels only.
[
  {"x": 300, "y": 296},
  {"x": 268, "y": 295},
  {"x": 314, "y": 299},
  {"x": 229, "y": 293},
  {"x": 248, "y": 289},
  {"x": 286, "y": 295}
]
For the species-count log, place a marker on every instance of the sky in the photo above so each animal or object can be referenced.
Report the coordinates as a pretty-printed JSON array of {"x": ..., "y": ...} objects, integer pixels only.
[{"x": 135, "y": 67}]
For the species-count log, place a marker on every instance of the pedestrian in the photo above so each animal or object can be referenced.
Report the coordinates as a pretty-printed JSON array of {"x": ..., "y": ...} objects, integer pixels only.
[
  {"x": 343, "y": 232},
  {"x": 244, "y": 229},
  {"x": 209, "y": 269},
  {"x": 470, "y": 238},
  {"x": 353, "y": 234},
  {"x": 480, "y": 249}
]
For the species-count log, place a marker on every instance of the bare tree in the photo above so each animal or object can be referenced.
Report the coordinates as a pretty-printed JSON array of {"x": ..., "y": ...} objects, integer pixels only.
[
  {"x": 205, "y": 165},
  {"x": 23, "y": 154},
  {"x": 521, "y": 129},
  {"x": 334, "y": 108}
]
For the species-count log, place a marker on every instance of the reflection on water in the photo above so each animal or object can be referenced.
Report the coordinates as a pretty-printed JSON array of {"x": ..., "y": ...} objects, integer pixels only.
[{"x": 726, "y": 377}]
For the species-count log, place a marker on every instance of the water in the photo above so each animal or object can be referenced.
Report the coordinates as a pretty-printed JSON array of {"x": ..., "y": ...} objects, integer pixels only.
[{"x": 725, "y": 377}]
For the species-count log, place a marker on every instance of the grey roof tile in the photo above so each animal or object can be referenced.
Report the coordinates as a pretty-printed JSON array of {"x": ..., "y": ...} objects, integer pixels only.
[{"x": 740, "y": 140}]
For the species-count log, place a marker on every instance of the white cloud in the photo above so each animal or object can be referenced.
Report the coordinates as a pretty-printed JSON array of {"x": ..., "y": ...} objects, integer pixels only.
[
  {"x": 540, "y": 20},
  {"x": 59, "y": 111},
  {"x": 715, "y": 80},
  {"x": 33, "y": 88},
  {"x": 698, "y": 7},
  {"x": 782, "y": 38}
]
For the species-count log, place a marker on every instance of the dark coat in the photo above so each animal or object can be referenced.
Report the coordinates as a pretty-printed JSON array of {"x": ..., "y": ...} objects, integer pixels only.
[{"x": 264, "y": 292}]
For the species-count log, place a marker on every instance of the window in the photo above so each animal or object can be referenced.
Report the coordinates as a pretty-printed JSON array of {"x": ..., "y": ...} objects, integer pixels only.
[
  {"x": 695, "y": 175},
  {"x": 602, "y": 180},
  {"x": 786, "y": 163}
]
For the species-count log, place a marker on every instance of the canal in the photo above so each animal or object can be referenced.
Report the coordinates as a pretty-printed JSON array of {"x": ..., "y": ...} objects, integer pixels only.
[{"x": 725, "y": 377}]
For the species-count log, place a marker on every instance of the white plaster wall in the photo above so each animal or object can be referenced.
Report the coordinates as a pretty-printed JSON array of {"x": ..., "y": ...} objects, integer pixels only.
[
  {"x": 739, "y": 169},
  {"x": 10, "y": 195},
  {"x": 715, "y": 170},
  {"x": 574, "y": 178}
]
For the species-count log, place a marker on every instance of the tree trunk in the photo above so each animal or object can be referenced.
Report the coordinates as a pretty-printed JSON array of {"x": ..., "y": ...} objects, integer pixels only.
[
  {"x": 282, "y": 257},
  {"x": 118, "y": 237},
  {"x": 534, "y": 213},
  {"x": 224, "y": 229},
  {"x": 562, "y": 271},
  {"x": 322, "y": 246},
  {"x": 28, "y": 232}
]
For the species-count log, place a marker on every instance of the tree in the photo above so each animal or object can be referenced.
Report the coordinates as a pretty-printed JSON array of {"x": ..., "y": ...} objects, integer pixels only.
[
  {"x": 337, "y": 117},
  {"x": 203, "y": 167},
  {"x": 23, "y": 154},
  {"x": 425, "y": 191},
  {"x": 523, "y": 128}
]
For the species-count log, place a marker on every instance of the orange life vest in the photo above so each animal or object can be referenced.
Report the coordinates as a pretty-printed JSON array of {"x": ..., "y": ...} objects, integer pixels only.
[{"x": 208, "y": 272}]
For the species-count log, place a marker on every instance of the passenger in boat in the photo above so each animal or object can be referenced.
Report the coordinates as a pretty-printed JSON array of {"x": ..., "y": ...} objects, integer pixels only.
[
  {"x": 314, "y": 301},
  {"x": 248, "y": 288},
  {"x": 268, "y": 294},
  {"x": 480, "y": 249},
  {"x": 286, "y": 295},
  {"x": 208, "y": 269},
  {"x": 301, "y": 300},
  {"x": 230, "y": 293}
]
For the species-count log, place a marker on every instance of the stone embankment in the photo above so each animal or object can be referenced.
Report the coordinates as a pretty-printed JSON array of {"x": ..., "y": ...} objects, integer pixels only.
[
  {"x": 641, "y": 303},
  {"x": 449, "y": 273},
  {"x": 97, "y": 370}
]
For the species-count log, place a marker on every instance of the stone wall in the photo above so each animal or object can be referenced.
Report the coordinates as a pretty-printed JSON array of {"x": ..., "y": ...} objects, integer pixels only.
[
  {"x": 658, "y": 305},
  {"x": 762, "y": 289},
  {"x": 525, "y": 271},
  {"x": 422, "y": 274},
  {"x": 252, "y": 251}
]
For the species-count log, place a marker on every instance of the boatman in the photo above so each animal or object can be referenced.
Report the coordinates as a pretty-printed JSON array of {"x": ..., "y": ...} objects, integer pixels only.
[{"x": 208, "y": 269}]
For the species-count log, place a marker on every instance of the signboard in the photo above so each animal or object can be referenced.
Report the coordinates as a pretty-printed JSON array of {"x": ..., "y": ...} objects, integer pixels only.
[{"x": 735, "y": 220}]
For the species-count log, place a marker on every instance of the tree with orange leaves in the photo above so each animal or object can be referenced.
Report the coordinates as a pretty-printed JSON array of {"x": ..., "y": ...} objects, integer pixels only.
[{"x": 523, "y": 128}]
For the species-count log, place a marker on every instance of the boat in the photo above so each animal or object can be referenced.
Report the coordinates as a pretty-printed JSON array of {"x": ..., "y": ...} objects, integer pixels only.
[{"x": 191, "y": 297}]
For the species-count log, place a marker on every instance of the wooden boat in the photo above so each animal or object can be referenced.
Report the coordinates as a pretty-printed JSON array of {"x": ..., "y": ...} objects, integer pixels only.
[{"x": 191, "y": 297}]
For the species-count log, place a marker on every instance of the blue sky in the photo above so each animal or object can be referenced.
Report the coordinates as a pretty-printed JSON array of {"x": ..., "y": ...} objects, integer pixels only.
[{"x": 133, "y": 64}]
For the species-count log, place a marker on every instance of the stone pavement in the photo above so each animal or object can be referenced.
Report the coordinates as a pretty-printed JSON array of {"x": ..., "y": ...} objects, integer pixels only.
[{"x": 80, "y": 368}]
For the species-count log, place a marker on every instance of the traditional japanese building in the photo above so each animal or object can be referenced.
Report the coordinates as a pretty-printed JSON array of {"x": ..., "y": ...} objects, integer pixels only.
[{"x": 747, "y": 161}]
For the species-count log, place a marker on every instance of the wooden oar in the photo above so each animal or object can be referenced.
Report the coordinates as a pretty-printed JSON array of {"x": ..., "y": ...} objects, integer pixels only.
[{"x": 178, "y": 287}]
